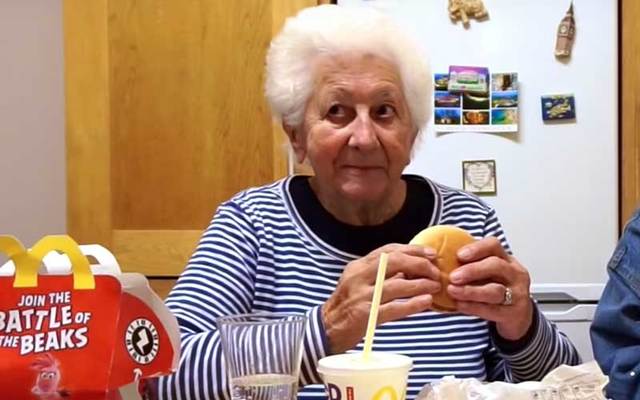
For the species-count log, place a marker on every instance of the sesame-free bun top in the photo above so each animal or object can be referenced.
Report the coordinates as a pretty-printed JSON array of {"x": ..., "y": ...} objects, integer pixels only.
[{"x": 446, "y": 240}]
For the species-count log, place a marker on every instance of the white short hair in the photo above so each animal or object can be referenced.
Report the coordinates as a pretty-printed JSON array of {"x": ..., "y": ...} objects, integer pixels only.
[{"x": 331, "y": 30}]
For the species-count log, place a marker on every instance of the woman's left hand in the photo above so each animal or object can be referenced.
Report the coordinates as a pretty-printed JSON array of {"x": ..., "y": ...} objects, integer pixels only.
[{"x": 481, "y": 285}]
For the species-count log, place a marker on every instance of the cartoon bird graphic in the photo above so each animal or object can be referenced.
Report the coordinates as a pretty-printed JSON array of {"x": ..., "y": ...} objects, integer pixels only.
[{"x": 48, "y": 379}]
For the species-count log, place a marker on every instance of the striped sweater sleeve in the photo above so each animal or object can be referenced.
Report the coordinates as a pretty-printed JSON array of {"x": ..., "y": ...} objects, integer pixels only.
[
  {"x": 315, "y": 347},
  {"x": 219, "y": 280},
  {"x": 547, "y": 348}
]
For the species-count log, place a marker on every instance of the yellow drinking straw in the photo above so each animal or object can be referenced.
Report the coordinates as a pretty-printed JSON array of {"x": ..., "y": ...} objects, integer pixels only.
[{"x": 375, "y": 304}]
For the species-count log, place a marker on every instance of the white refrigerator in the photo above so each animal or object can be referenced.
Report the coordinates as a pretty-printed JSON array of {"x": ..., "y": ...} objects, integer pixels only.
[{"x": 557, "y": 184}]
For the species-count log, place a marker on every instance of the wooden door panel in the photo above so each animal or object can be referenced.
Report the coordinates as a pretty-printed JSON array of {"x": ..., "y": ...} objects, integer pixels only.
[
  {"x": 189, "y": 124},
  {"x": 166, "y": 118},
  {"x": 88, "y": 137},
  {"x": 155, "y": 253},
  {"x": 162, "y": 286}
]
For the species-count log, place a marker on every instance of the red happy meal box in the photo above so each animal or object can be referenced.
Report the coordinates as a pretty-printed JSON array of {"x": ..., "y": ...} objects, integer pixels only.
[{"x": 81, "y": 335}]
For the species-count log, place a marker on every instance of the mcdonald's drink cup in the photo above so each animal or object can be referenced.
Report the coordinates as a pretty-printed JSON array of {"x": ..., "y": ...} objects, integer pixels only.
[{"x": 349, "y": 377}]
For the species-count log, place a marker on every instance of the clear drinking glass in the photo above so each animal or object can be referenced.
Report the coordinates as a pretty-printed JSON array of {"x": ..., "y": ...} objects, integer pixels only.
[{"x": 262, "y": 354}]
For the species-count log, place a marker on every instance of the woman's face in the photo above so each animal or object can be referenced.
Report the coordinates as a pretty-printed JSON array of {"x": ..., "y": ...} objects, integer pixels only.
[{"x": 357, "y": 131}]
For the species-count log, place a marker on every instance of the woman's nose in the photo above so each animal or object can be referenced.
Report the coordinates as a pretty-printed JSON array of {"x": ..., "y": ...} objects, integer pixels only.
[{"x": 363, "y": 134}]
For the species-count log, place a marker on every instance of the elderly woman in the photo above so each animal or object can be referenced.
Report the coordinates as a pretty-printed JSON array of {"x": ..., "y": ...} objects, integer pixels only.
[{"x": 352, "y": 94}]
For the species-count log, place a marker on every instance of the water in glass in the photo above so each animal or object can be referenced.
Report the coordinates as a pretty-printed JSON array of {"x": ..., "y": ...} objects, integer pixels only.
[{"x": 264, "y": 387}]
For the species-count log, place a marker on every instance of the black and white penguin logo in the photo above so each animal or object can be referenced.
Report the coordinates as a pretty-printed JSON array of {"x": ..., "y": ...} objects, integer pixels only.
[{"x": 142, "y": 341}]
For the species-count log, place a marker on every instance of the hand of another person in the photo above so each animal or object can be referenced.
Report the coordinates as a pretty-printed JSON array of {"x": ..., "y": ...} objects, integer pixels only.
[
  {"x": 410, "y": 276},
  {"x": 481, "y": 283}
]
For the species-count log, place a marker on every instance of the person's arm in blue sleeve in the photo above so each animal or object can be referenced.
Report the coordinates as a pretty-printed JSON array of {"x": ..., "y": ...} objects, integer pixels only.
[{"x": 615, "y": 331}]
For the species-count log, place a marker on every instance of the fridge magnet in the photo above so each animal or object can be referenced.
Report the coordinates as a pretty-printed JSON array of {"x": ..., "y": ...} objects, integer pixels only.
[
  {"x": 465, "y": 9},
  {"x": 504, "y": 81},
  {"x": 494, "y": 111},
  {"x": 441, "y": 82},
  {"x": 479, "y": 177},
  {"x": 565, "y": 34},
  {"x": 446, "y": 99},
  {"x": 468, "y": 79},
  {"x": 504, "y": 99},
  {"x": 504, "y": 116},
  {"x": 475, "y": 102},
  {"x": 473, "y": 117},
  {"x": 446, "y": 116},
  {"x": 558, "y": 107}
]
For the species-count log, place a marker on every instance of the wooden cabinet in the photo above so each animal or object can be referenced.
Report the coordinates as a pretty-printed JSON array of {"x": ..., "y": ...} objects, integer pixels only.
[{"x": 166, "y": 118}]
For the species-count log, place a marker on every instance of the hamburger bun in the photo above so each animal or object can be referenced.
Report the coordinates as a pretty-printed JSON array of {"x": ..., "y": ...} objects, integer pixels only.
[{"x": 446, "y": 240}]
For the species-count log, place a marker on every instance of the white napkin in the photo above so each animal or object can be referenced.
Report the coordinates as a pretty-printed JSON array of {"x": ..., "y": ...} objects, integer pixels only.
[{"x": 582, "y": 382}]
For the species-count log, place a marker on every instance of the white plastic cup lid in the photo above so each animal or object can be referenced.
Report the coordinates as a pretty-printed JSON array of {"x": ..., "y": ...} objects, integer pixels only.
[{"x": 349, "y": 363}]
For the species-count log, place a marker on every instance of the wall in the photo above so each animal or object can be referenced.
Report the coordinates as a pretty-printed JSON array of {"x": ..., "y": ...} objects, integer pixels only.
[{"x": 32, "y": 156}]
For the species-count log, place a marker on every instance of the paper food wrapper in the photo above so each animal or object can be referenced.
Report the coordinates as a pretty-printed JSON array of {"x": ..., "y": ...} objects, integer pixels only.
[
  {"x": 71, "y": 330},
  {"x": 582, "y": 382}
]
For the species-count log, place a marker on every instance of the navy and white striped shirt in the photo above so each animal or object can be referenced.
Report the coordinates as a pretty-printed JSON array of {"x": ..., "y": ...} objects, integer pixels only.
[{"x": 258, "y": 254}]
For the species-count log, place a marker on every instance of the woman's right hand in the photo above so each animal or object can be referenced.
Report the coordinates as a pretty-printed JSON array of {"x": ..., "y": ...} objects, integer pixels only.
[{"x": 411, "y": 276}]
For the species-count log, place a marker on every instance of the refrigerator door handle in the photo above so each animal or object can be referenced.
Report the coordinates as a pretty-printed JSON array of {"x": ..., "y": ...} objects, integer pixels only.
[{"x": 568, "y": 312}]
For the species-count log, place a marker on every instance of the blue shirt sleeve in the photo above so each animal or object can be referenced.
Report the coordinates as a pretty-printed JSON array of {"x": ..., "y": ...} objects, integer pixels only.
[{"x": 615, "y": 331}]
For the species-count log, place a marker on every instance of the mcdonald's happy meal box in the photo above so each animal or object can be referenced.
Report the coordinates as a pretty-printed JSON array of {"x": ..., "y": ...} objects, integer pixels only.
[{"x": 71, "y": 330}]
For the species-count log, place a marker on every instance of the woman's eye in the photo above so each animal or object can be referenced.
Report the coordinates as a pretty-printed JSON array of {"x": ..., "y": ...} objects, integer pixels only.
[
  {"x": 336, "y": 110},
  {"x": 385, "y": 111},
  {"x": 339, "y": 114}
]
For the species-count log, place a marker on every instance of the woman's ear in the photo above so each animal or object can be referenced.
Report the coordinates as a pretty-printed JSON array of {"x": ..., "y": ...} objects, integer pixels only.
[{"x": 297, "y": 140}]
